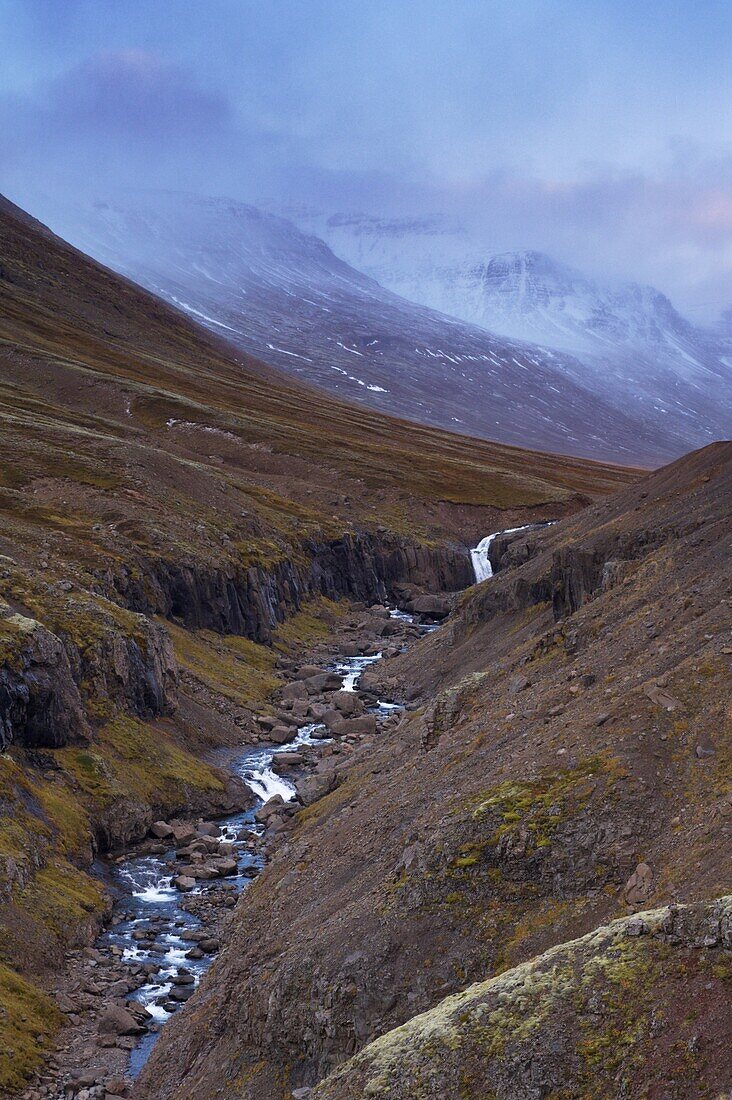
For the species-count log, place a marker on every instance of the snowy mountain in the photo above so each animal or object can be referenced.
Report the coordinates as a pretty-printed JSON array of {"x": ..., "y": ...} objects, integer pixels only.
[
  {"x": 283, "y": 296},
  {"x": 627, "y": 342}
]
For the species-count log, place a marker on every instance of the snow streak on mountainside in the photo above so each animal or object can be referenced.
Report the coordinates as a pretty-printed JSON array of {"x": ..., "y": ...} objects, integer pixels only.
[
  {"x": 282, "y": 295},
  {"x": 627, "y": 343}
]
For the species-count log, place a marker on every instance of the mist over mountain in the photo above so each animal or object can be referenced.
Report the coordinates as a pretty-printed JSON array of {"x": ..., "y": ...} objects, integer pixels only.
[
  {"x": 283, "y": 295},
  {"x": 365, "y": 550},
  {"x": 626, "y": 341}
]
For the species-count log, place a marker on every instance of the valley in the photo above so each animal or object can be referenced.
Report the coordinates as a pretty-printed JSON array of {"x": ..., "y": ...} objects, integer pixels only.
[
  {"x": 567, "y": 764},
  {"x": 521, "y": 810},
  {"x": 365, "y": 551},
  {"x": 172, "y": 521}
]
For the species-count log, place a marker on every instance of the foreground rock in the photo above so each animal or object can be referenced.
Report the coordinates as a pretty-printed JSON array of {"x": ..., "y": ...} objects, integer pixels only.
[{"x": 606, "y": 1015}]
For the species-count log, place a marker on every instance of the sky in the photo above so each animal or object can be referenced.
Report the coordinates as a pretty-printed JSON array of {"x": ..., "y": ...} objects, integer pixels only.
[{"x": 597, "y": 130}]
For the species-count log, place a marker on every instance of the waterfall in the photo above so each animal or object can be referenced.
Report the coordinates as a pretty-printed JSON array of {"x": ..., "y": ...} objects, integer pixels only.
[{"x": 479, "y": 555}]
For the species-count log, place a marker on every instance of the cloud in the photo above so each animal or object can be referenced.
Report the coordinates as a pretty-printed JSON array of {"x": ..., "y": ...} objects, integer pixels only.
[
  {"x": 134, "y": 94},
  {"x": 671, "y": 228},
  {"x": 117, "y": 117},
  {"x": 532, "y": 127}
]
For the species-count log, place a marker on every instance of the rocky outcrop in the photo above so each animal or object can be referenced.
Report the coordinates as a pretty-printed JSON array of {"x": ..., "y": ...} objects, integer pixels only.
[
  {"x": 40, "y": 704},
  {"x": 515, "y": 548},
  {"x": 596, "y": 1017},
  {"x": 566, "y": 576},
  {"x": 47, "y": 678}
]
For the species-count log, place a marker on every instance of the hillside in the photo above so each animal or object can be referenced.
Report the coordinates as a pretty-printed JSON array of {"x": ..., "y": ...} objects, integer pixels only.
[
  {"x": 564, "y": 761},
  {"x": 173, "y": 522},
  {"x": 283, "y": 296}
]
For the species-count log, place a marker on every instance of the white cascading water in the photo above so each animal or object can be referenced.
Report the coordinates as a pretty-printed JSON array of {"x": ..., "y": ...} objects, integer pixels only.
[
  {"x": 259, "y": 776},
  {"x": 479, "y": 555}
]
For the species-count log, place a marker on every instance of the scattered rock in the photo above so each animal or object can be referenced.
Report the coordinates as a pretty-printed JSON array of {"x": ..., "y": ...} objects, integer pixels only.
[
  {"x": 348, "y": 703},
  {"x": 639, "y": 886},
  {"x": 661, "y": 697}
]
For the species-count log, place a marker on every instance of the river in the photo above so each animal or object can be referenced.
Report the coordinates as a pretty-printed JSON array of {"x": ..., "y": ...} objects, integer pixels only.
[{"x": 150, "y": 925}]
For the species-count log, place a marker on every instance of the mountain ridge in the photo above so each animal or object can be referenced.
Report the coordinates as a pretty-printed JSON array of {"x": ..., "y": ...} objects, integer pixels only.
[
  {"x": 283, "y": 296},
  {"x": 623, "y": 341}
]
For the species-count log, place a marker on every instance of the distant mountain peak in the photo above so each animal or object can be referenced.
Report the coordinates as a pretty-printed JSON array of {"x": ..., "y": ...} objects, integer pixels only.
[{"x": 515, "y": 347}]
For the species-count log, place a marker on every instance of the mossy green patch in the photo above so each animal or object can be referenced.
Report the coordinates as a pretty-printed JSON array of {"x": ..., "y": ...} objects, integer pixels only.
[
  {"x": 311, "y": 624},
  {"x": 62, "y": 898},
  {"x": 28, "y": 1022},
  {"x": 542, "y": 805},
  {"x": 138, "y": 760},
  {"x": 231, "y": 666}
]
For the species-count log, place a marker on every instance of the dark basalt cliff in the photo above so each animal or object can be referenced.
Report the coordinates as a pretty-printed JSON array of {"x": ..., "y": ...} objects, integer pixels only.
[
  {"x": 42, "y": 687},
  {"x": 130, "y": 662},
  {"x": 252, "y": 601}
]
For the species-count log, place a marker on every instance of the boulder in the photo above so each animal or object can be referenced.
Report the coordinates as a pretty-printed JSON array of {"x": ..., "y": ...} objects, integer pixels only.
[
  {"x": 434, "y": 606},
  {"x": 266, "y": 721},
  {"x": 161, "y": 830},
  {"x": 204, "y": 872},
  {"x": 334, "y": 721},
  {"x": 316, "y": 786},
  {"x": 182, "y": 993},
  {"x": 639, "y": 886},
  {"x": 280, "y": 735},
  {"x": 183, "y": 834},
  {"x": 225, "y": 865},
  {"x": 347, "y": 702},
  {"x": 184, "y": 883},
  {"x": 282, "y": 761},
  {"x": 119, "y": 1021},
  {"x": 272, "y": 806},
  {"x": 366, "y": 724},
  {"x": 295, "y": 690},
  {"x": 390, "y": 628},
  {"x": 324, "y": 681},
  {"x": 660, "y": 697},
  {"x": 307, "y": 671}
]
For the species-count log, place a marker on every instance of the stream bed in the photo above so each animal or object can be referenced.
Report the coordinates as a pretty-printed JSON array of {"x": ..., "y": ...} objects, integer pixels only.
[{"x": 151, "y": 926}]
